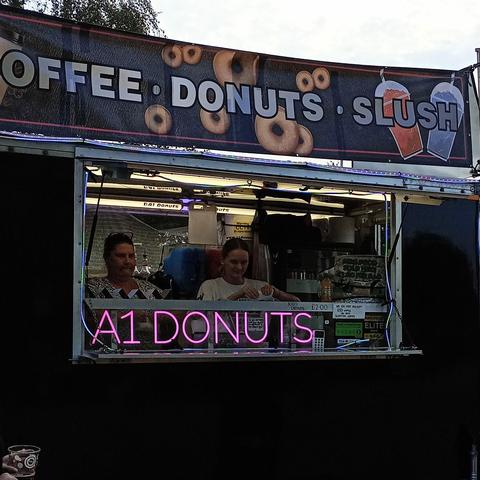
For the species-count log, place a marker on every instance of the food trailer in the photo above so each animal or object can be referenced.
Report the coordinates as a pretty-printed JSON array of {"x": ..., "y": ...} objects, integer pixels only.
[{"x": 355, "y": 187}]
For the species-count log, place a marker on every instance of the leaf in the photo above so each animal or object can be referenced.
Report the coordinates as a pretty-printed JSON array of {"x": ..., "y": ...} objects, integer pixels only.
[{"x": 137, "y": 16}]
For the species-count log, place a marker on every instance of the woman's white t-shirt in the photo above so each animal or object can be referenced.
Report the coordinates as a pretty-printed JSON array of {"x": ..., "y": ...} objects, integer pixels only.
[{"x": 219, "y": 289}]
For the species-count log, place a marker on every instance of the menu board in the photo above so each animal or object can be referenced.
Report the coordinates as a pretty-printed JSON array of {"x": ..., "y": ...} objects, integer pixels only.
[{"x": 360, "y": 270}]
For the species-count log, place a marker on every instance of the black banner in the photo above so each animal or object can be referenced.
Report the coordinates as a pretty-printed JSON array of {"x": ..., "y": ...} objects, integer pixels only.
[{"x": 65, "y": 79}]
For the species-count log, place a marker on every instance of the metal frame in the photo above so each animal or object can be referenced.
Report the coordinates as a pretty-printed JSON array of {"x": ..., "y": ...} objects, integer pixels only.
[
  {"x": 304, "y": 174},
  {"x": 78, "y": 249},
  {"x": 307, "y": 173},
  {"x": 396, "y": 328},
  {"x": 189, "y": 357},
  {"x": 221, "y": 305},
  {"x": 475, "y": 118},
  {"x": 478, "y": 251}
]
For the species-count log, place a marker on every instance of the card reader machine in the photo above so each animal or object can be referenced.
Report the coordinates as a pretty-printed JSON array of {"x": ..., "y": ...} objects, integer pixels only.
[{"x": 318, "y": 341}]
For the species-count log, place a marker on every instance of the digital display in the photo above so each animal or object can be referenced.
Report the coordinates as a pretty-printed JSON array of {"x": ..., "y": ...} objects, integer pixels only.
[{"x": 319, "y": 333}]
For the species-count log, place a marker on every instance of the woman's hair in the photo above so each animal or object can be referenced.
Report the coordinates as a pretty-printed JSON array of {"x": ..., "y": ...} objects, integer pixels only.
[
  {"x": 113, "y": 240},
  {"x": 234, "y": 244}
]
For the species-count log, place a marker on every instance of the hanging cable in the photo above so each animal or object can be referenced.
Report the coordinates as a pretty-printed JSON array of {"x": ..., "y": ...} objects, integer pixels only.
[
  {"x": 472, "y": 78},
  {"x": 94, "y": 224},
  {"x": 397, "y": 236}
]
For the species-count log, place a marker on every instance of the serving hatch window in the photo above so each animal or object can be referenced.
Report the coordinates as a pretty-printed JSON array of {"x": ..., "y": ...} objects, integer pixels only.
[{"x": 204, "y": 265}]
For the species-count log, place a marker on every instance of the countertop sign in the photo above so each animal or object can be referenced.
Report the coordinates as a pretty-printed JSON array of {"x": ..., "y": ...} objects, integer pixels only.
[{"x": 348, "y": 310}]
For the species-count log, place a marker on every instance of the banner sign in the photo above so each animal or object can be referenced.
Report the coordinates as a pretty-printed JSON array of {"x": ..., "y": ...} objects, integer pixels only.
[{"x": 64, "y": 79}]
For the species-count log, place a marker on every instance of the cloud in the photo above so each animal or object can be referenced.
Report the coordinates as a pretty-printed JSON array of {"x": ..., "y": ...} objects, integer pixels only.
[{"x": 406, "y": 33}]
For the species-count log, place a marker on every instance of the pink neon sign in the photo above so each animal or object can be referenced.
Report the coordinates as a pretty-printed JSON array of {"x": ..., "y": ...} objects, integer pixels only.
[{"x": 218, "y": 323}]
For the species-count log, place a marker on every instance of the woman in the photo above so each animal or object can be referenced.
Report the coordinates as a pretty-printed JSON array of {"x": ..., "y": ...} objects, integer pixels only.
[
  {"x": 233, "y": 285},
  {"x": 119, "y": 256}
]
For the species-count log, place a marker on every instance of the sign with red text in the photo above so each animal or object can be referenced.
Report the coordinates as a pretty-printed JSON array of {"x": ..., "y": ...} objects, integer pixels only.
[{"x": 65, "y": 79}]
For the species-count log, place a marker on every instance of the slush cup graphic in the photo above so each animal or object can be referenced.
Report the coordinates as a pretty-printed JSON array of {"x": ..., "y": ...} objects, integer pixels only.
[
  {"x": 408, "y": 140},
  {"x": 9, "y": 40},
  {"x": 440, "y": 139}
]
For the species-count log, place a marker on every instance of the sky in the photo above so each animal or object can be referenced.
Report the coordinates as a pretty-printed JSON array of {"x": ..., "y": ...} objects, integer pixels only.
[{"x": 407, "y": 33}]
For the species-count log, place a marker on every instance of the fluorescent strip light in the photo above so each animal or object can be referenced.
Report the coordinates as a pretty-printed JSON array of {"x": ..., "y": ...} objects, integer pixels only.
[
  {"x": 251, "y": 212},
  {"x": 203, "y": 193},
  {"x": 207, "y": 181},
  {"x": 243, "y": 196},
  {"x": 197, "y": 180},
  {"x": 111, "y": 202},
  {"x": 352, "y": 194},
  {"x": 167, "y": 206},
  {"x": 291, "y": 187}
]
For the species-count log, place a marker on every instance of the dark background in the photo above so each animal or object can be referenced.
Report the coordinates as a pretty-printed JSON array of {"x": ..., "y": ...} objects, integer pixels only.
[{"x": 411, "y": 418}]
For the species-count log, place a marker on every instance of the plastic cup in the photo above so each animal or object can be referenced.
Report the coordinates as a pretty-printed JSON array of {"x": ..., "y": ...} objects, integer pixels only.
[
  {"x": 440, "y": 142},
  {"x": 25, "y": 459},
  {"x": 9, "y": 40},
  {"x": 408, "y": 140}
]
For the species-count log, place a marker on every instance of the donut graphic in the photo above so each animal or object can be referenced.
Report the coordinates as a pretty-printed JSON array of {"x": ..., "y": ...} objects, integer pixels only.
[{"x": 30, "y": 461}]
